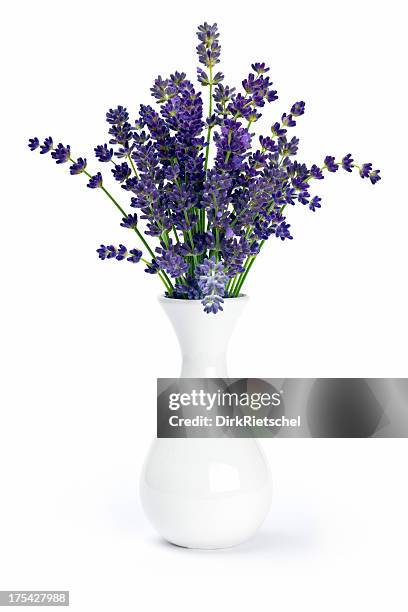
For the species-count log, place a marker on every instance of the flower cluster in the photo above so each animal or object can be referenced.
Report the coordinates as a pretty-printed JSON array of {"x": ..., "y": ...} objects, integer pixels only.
[
  {"x": 119, "y": 253},
  {"x": 205, "y": 189}
]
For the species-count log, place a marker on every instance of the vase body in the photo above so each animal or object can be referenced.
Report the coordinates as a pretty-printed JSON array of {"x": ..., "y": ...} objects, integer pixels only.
[{"x": 205, "y": 492}]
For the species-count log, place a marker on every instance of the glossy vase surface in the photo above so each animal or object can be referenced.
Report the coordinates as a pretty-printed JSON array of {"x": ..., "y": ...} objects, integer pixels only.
[{"x": 205, "y": 492}]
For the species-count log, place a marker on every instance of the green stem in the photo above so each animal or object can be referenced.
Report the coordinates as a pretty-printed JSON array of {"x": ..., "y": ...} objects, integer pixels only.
[
  {"x": 162, "y": 273},
  {"x": 176, "y": 234},
  {"x": 118, "y": 206},
  {"x": 233, "y": 285},
  {"x": 242, "y": 277},
  {"x": 133, "y": 166},
  {"x": 190, "y": 236},
  {"x": 248, "y": 265}
]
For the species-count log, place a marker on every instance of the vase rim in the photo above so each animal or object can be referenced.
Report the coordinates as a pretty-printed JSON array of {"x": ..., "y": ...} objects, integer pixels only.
[{"x": 165, "y": 299}]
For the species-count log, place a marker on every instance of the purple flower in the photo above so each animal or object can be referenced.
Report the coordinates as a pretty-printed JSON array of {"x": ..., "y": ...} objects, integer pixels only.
[
  {"x": 130, "y": 221},
  {"x": 303, "y": 197},
  {"x": 258, "y": 89},
  {"x": 61, "y": 153},
  {"x": 78, "y": 166},
  {"x": 202, "y": 242},
  {"x": 118, "y": 115},
  {"x": 365, "y": 170},
  {"x": 298, "y": 109},
  {"x": 288, "y": 120},
  {"x": 347, "y": 163},
  {"x": 316, "y": 172},
  {"x": 131, "y": 184},
  {"x": 330, "y": 163},
  {"x": 177, "y": 79},
  {"x": 268, "y": 144},
  {"x": 121, "y": 133},
  {"x": 203, "y": 77},
  {"x": 234, "y": 251},
  {"x": 161, "y": 146},
  {"x": 187, "y": 290},
  {"x": 222, "y": 95},
  {"x": 241, "y": 107},
  {"x": 375, "y": 176},
  {"x": 282, "y": 231},
  {"x": 47, "y": 146},
  {"x": 232, "y": 145},
  {"x": 135, "y": 255},
  {"x": 209, "y": 49},
  {"x": 171, "y": 261},
  {"x": 215, "y": 197},
  {"x": 288, "y": 148},
  {"x": 212, "y": 303},
  {"x": 259, "y": 68},
  {"x": 205, "y": 80},
  {"x": 172, "y": 172},
  {"x": 315, "y": 203},
  {"x": 103, "y": 153},
  {"x": 164, "y": 89},
  {"x": 121, "y": 172},
  {"x": 272, "y": 96},
  {"x": 277, "y": 130},
  {"x": 95, "y": 181},
  {"x": 33, "y": 143},
  {"x": 211, "y": 279},
  {"x": 121, "y": 252},
  {"x": 152, "y": 267},
  {"x": 217, "y": 78}
]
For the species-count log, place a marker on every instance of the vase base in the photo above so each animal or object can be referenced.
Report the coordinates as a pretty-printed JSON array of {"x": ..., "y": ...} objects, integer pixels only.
[{"x": 209, "y": 546}]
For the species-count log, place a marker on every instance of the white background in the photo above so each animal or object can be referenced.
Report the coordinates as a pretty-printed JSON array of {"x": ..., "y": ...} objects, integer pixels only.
[{"x": 83, "y": 341}]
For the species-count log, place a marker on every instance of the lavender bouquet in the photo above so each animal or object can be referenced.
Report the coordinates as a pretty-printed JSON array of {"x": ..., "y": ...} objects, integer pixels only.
[{"x": 209, "y": 219}]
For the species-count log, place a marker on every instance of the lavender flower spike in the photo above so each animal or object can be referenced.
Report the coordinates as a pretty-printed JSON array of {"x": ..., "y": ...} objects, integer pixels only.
[
  {"x": 211, "y": 279},
  {"x": 119, "y": 253},
  {"x": 209, "y": 48}
]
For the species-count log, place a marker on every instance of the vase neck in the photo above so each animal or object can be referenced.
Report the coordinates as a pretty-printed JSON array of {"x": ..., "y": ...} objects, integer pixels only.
[{"x": 203, "y": 338}]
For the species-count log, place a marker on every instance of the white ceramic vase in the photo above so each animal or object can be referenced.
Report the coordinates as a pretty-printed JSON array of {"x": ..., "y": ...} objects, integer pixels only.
[{"x": 205, "y": 492}]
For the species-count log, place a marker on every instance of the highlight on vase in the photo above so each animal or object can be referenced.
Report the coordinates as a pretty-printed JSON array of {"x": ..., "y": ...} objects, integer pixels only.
[{"x": 207, "y": 192}]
